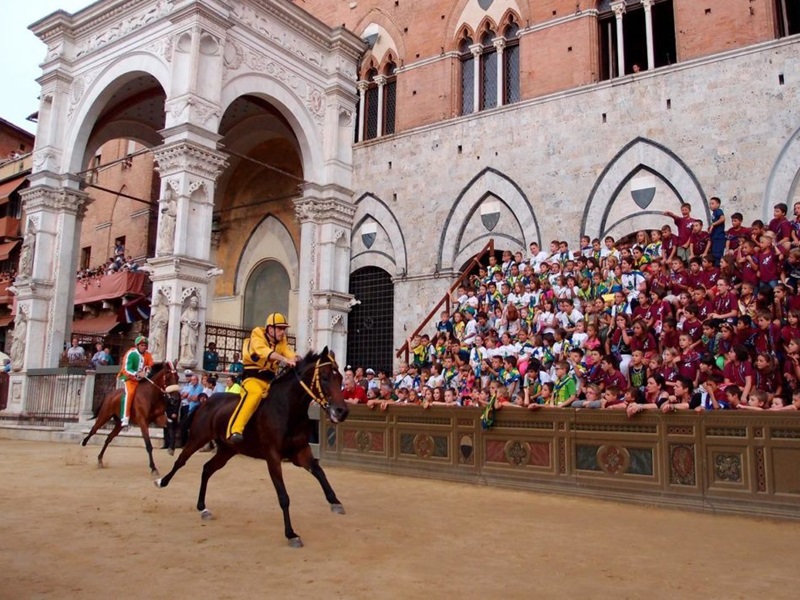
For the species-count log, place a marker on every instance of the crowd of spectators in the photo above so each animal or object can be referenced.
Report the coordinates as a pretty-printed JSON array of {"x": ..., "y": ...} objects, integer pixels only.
[
  {"x": 119, "y": 263},
  {"x": 692, "y": 318}
]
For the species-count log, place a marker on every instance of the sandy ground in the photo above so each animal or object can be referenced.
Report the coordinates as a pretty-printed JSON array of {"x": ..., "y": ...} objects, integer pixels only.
[{"x": 71, "y": 530}]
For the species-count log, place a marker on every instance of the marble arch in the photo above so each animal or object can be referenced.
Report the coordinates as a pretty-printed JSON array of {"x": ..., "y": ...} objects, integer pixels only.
[
  {"x": 101, "y": 89},
  {"x": 201, "y": 55},
  {"x": 641, "y": 154},
  {"x": 517, "y": 226},
  {"x": 290, "y": 106},
  {"x": 390, "y": 253}
]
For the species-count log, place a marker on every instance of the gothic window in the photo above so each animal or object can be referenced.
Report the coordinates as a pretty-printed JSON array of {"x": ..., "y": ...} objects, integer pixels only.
[
  {"x": 488, "y": 97},
  {"x": 787, "y": 13},
  {"x": 389, "y": 99},
  {"x": 467, "y": 76},
  {"x": 371, "y": 101},
  {"x": 633, "y": 53},
  {"x": 511, "y": 93}
]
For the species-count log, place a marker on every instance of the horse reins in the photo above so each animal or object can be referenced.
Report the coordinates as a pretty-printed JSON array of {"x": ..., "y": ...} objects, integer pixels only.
[{"x": 155, "y": 385}]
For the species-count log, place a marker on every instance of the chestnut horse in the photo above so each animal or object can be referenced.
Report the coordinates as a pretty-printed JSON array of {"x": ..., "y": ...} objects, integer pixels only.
[
  {"x": 279, "y": 429},
  {"x": 148, "y": 406}
]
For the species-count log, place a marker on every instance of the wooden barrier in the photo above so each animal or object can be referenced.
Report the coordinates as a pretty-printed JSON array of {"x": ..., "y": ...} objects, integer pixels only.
[{"x": 733, "y": 462}]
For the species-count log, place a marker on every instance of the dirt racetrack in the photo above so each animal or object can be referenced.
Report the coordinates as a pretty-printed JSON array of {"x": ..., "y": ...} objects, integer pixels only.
[{"x": 70, "y": 530}]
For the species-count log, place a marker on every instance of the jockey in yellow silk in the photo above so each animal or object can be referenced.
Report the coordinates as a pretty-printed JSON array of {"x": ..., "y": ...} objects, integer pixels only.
[
  {"x": 263, "y": 355},
  {"x": 136, "y": 365}
]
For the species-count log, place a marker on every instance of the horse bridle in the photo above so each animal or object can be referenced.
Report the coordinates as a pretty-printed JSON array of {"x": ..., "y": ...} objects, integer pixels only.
[
  {"x": 317, "y": 396},
  {"x": 172, "y": 369}
]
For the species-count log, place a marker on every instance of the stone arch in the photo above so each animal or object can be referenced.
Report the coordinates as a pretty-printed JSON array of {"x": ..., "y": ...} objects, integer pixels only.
[
  {"x": 784, "y": 179},
  {"x": 519, "y": 225},
  {"x": 112, "y": 78},
  {"x": 287, "y": 102},
  {"x": 122, "y": 129},
  {"x": 270, "y": 239},
  {"x": 377, "y": 21},
  {"x": 639, "y": 155},
  {"x": 390, "y": 253}
]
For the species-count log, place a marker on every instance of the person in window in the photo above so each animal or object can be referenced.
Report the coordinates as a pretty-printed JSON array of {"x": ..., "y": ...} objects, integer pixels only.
[{"x": 264, "y": 352}]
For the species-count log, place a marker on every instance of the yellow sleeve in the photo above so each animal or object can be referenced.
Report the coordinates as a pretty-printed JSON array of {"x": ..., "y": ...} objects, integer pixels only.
[{"x": 284, "y": 349}]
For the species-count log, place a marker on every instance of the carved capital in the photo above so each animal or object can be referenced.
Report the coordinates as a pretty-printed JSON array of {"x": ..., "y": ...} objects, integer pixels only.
[
  {"x": 499, "y": 43},
  {"x": 618, "y": 6},
  {"x": 380, "y": 80},
  {"x": 476, "y": 49},
  {"x": 363, "y": 86},
  {"x": 180, "y": 157},
  {"x": 325, "y": 210},
  {"x": 647, "y": 5},
  {"x": 64, "y": 200}
]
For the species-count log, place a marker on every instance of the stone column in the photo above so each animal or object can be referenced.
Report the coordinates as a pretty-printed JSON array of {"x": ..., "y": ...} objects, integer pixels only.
[
  {"x": 326, "y": 219},
  {"x": 189, "y": 169},
  {"x": 500, "y": 44},
  {"x": 648, "y": 24},
  {"x": 46, "y": 285},
  {"x": 362, "y": 108},
  {"x": 381, "y": 81},
  {"x": 477, "y": 50},
  {"x": 618, "y": 6}
]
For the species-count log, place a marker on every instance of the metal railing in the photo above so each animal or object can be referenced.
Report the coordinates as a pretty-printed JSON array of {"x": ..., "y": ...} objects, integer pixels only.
[
  {"x": 53, "y": 396},
  {"x": 404, "y": 350}
]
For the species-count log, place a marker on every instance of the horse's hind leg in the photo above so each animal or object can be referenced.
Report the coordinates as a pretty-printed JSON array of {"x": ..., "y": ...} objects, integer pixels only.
[
  {"x": 276, "y": 474},
  {"x": 111, "y": 436},
  {"x": 219, "y": 460},
  {"x": 305, "y": 458}
]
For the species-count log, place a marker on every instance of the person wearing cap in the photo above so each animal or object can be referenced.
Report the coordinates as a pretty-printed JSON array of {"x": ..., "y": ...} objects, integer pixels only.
[
  {"x": 135, "y": 365},
  {"x": 372, "y": 382},
  {"x": 264, "y": 353}
]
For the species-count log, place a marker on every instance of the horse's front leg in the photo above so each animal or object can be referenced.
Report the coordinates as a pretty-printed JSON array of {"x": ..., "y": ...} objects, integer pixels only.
[
  {"x": 305, "y": 458},
  {"x": 143, "y": 425},
  {"x": 276, "y": 474}
]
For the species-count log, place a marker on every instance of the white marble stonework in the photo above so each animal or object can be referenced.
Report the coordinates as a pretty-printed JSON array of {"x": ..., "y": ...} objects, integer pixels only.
[{"x": 185, "y": 62}]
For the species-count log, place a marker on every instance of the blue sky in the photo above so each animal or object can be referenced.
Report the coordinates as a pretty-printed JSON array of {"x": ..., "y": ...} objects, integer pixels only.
[{"x": 21, "y": 52}]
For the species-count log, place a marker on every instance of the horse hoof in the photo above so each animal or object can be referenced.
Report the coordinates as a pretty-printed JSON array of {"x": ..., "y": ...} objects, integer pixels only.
[
  {"x": 157, "y": 483},
  {"x": 171, "y": 451},
  {"x": 155, "y": 473},
  {"x": 100, "y": 464},
  {"x": 337, "y": 508},
  {"x": 206, "y": 514},
  {"x": 295, "y": 542}
]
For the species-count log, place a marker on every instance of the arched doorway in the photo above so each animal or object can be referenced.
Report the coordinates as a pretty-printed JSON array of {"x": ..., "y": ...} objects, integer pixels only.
[
  {"x": 371, "y": 323},
  {"x": 267, "y": 291}
]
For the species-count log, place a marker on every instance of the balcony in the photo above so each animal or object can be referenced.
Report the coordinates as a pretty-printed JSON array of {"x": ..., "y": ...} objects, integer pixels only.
[{"x": 109, "y": 287}]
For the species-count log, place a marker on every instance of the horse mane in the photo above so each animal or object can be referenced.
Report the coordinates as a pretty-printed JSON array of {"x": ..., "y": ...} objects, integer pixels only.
[
  {"x": 156, "y": 369},
  {"x": 309, "y": 359}
]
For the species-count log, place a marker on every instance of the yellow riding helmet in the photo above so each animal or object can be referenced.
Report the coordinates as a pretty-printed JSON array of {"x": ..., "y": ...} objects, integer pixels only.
[{"x": 277, "y": 320}]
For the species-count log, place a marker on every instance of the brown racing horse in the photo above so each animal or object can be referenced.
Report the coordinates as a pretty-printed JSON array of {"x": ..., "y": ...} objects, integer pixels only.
[
  {"x": 279, "y": 429},
  {"x": 153, "y": 394}
]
